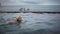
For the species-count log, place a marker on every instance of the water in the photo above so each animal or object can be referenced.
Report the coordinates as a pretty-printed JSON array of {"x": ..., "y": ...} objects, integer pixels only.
[
  {"x": 32, "y": 23},
  {"x": 48, "y": 8}
]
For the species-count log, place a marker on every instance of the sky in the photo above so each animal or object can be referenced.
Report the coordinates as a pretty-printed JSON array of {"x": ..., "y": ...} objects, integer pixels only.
[{"x": 30, "y": 2}]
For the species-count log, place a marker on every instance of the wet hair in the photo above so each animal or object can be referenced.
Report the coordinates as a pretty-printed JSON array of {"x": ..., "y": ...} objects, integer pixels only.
[{"x": 18, "y": 19}]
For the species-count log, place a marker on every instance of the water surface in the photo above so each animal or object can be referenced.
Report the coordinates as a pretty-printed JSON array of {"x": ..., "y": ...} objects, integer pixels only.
[{"x": 32, "y": 23}]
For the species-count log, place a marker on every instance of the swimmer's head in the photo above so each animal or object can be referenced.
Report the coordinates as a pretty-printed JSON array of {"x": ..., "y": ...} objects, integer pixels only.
[{"x": 18, "y": 19}]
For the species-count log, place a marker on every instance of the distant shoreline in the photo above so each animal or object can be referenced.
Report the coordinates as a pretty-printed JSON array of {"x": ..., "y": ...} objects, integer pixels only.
[{"x": 30, "y": 12}]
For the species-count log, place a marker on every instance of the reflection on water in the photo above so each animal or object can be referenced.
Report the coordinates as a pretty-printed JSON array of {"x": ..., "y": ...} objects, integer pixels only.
[{"x": 31, "y": 24}]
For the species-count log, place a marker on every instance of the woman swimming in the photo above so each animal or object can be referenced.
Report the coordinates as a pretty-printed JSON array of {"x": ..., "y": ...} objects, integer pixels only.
[{"x": 17, "y": 21}]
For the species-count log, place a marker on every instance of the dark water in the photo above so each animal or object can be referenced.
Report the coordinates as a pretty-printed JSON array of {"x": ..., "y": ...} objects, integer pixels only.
[{"x": 31, "y": 24}]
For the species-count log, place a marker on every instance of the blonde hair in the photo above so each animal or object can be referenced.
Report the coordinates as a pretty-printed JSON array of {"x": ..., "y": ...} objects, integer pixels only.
[{"x": 18, "y": 19}]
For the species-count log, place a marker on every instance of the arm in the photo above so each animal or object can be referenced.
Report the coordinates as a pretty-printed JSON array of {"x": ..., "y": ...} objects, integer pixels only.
[{"x": 4, "y": 24}]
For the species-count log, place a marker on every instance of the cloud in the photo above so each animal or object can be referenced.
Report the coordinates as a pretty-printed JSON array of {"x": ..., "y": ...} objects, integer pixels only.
[{"x": 30, "y": 2}]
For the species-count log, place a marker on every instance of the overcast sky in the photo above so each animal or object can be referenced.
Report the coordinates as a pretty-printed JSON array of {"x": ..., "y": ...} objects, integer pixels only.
[{"x": 30, "y": 2}]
